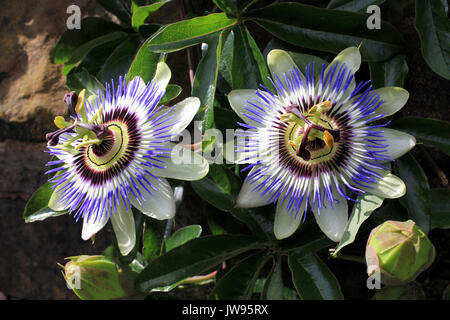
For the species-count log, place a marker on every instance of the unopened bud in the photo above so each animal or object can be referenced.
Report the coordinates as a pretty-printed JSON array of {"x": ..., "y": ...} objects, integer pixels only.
[{"x": 400, "y": 251}]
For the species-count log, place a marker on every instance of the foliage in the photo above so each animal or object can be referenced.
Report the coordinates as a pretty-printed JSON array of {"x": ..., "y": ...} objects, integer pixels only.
[{"x": 233, "y": 57}]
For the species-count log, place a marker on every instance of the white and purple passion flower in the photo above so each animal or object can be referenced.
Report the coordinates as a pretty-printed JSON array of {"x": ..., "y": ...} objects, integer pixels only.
[
  {"x": 116, "y": 153},
  {"x": 315, "y": 140}
]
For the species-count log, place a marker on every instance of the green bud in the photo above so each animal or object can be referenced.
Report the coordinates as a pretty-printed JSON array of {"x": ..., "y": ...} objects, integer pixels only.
[
  {"x": 98, "y": 278},
  {"x": 399, "y": 251}
]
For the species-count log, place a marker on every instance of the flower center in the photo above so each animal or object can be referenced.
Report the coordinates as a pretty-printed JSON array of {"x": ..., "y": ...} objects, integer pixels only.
[
  {"x": 311, "y": 135},
  {"x": 104, "y": 155}
]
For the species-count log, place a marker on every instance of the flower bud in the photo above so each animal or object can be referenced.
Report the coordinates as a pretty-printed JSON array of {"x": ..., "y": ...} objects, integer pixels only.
[
  {"x": 98, "y": 278},
  {"x": 399, "y": 251}
]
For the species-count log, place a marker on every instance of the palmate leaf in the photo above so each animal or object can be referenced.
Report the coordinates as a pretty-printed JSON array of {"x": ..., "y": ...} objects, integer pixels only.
[
  {"x": 353, "y": 5},
  {"x": 238, "y": 283},
  {"x": 205, "y": 80},
  {"x": 362, "y": 210},
  {"x": 312, "y": 278},
  {"x": 183, "y": 235},
  {"x": 440, "y": 208},
  {"x": 144, "y": 63},
  {"x": 433, "y": 27},
  {"x": 119, "y": 62},
  {"x": 417, "y": 197},
  {"x": 328, "y": 30},
  {"x": 78, "y": 81},
  {"x": 37, "y": 208},
  {"x": 389, "y": 73},
  {"x": 186, "y": 33},
  {"x": 193, "y": 258},
  {"x": 234, "y": 7},
  {"x": 91, "y": 28},
  {"x": 248, "y": 68},
  {"x": 117, "y": 7},
  {"x": 273, "y": 286},
  {"x": 140, "y": 14},
  {"x": 80, "y": 52}
]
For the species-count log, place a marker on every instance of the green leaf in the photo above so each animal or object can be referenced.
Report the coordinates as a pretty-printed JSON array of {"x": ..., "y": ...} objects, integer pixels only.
[
  {"x": 220, "y": 187},
  {"x": 90, "y": 28},
  {"x": 118, "y": 63},
  {"x": 248, "y": 69},
  {"x": 186, "y": 33},
  {"x": 312, "y": 278},
  {"x": 80, "y": 52},
  {"x": 353, "y": 5},
  {"x": 172, "y": 91},
  {"x": 440, "y": 208},
  {"x": 328, "y": 30},
  {"x": 362, "y": 210},
  {"x": 226, "y": 118},
  {"x": 140, "y": 14},
  {"x": 433, "y": 27},
  {"x": 393, "y": 210},
  {"x": 192, "y": 258},
  {"x": 226, "y": 60},
  {"x": 446, "y": 293},
  {"x": 205, "y": 81},
  {"x": 117, "y": 7},
  {"x": 273, "y": 286},
  {"x": 37, "y": 208},
  {"x": 153, "y": 238},
  {"x": 234, "y": 7},
  {"x": 183, "y": 235},
  {"x": 144, "y": 64},
  {"x": 223, "y": 223},
  {"x": 83, "y": 80},
  {"x": 417, "y": 197},
  {"x": 308, "y": 238},
  {"x": 390, "y": 73},
  {"x": 431, "y": 132},
  {"x": 238, "y": 283}
]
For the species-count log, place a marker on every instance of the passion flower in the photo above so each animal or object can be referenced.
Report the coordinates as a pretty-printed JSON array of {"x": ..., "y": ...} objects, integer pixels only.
[
  {"x": 316, "y": 139},
  {"x": 117, "y": 154}
]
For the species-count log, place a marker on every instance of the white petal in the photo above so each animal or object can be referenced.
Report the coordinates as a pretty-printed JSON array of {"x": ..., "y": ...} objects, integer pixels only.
[
  {"x": 124, "y": 229},
  {"x": 286, "y": 221},
  {"x": 394, "y": 99},
  {"x": 252, "y": 199},
  {"x": 180, "y": 115},
  {"x": 389, "y": 186},
  {"x": 160, "y": 204},
  {"x": 333, "y": 219},
  {"x": 350, "y": 56},
  {"x": 352, "y": 59},
  {"x": 280, "y": 63},
  {"x": 239, "y": 99},
  {"x": 183, "y": 164},
  {"x": 398, "y": 143},
  {"x": 91, "y": 227},
  {"x": 162, "y": 76},
  {"x": 230, "y": 154}
]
